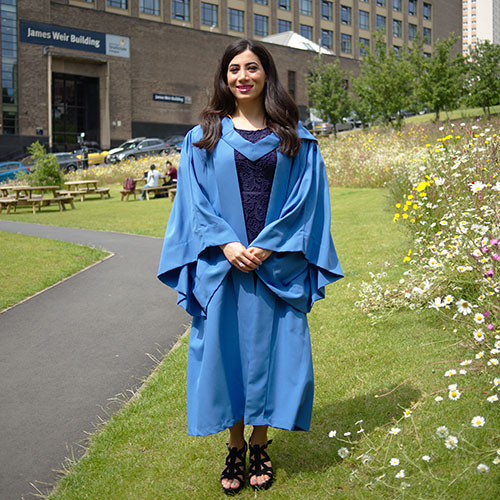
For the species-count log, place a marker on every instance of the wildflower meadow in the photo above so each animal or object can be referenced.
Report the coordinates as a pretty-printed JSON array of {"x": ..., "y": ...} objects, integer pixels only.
[{"x": 444, "y": 188}]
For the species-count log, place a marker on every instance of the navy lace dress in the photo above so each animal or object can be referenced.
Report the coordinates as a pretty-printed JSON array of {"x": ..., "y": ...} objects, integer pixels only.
[{"x": 256, "y": 181}]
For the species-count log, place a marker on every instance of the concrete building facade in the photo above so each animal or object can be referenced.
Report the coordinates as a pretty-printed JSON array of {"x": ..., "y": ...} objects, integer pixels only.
[
  {"x": 116, "y": 69},
  {"x": 481, "y": 21}
]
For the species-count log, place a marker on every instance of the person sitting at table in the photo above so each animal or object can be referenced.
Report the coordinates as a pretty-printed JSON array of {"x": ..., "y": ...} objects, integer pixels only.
[
  {"x": 170, "y": 174},
  {"x": 151, "y": 181}
]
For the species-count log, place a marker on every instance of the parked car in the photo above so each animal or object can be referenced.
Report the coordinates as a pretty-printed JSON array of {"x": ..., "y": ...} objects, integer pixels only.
[
  {"x": 9, "y": 170},
  {"x": 318, "y": 127},
  {"x": 95, "y": 156},
  {"x": 174, "y": 143},
  {"x": 145, "y": 147},
  {"x": 131, "y": 143},
  {"x": 68, "y": 162}
]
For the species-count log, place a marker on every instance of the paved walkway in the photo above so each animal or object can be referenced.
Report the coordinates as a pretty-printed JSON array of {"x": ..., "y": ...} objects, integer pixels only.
[{"x": 66, "y": 351}]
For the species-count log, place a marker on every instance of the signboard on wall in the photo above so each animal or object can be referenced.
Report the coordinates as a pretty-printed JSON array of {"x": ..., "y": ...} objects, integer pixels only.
[
  {"x": 75, "y": 39},
  {"x": 181, "y": 99}
]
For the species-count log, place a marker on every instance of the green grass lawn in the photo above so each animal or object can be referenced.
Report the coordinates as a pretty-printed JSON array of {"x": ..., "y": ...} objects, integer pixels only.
[
  {"x": 29, "y": 264},
  {"x": 143, "y": 451},
  {"x": 456, "y": 114},
  {"x": 148, "y": 218}
]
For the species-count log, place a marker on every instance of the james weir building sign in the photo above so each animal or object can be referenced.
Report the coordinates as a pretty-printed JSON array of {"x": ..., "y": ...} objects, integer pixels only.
[{"x": 70, "y": 38}]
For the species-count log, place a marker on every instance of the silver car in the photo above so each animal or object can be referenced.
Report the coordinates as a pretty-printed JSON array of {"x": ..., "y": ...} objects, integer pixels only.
[{"x": 136, "y": 149}]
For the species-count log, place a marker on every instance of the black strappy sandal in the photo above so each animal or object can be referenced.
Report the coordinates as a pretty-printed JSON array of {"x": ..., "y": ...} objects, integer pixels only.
[
  {"x": 258, "y": 457},
  {"x": 235, "y": 469}
]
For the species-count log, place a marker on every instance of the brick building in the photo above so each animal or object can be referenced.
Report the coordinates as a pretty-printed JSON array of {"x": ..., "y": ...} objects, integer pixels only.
[{"x": 115, "y": 69}]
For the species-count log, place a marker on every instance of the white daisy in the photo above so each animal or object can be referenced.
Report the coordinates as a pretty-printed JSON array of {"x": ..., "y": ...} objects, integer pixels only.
[
  {"x": 452, "y": 387},
  {"x": 493, "y": 362},
  {"x": 496, "y": 460},
  {"x": 400, "y": 474},
  {"x": 451, "y": 442},
  {"x": 442, "y": 431},
  {"x": 347, "y": 433},
  {"x": 395, "y": 430},
  {"x": 477, "y": 186},
  {"x": 483, "y": 469},
  {"x": 407, "y": 413},
  {"x": 496, "y": 381},
  {"x": 426, "y": 458},
  {"x": 480, "y": 354},
  {"x": 492, "y": 399},
  {"x": 449, "y": 299},
  {"x": 463, "y": 372},
  {"x": 438, "y": 399},
  {"x": 332, "y": 434},
  {"x": 450, "y": 373},
  {"x": 479, "y": 335},
  {"x": 477, "y": 421},
  {"x": 464, "y": 307},
  {"x": 478, "y": 318},
  {"x": 454, "y": 395},
  {"x": 343, "y": 452},
  {"x": 394, "y": 462},
  {"x": 466, "y": 362}
]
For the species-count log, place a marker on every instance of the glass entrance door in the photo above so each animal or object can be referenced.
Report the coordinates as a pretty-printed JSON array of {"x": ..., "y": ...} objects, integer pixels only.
[{"x": 75, "y": 109}]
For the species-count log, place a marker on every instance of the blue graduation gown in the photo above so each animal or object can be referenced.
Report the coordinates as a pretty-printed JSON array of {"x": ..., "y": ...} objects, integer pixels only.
[{"x": 249, "y": 349}]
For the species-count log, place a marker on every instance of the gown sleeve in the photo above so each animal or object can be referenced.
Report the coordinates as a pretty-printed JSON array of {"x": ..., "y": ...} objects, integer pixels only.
[
  {"x": 304, "y": 259},
  {"x": 191, "y": 262}
]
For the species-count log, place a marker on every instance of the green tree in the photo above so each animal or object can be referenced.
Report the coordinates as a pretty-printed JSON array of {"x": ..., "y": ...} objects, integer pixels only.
[
  {"x": 326, "y": 88},
  {"x": 441, "y": 85},
  {"x": 483, "y": 73},
  {"x": 384, "y": 86},
  {"x": 45, "y": 170}
]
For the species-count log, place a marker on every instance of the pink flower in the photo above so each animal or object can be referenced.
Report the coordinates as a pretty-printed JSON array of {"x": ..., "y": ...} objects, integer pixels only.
[
  {"x": 495, "y": 256},
  {"x": 494, "y": 241},
  {"x": 486, "y": 314},
  {"x": 485, "y": 249},
  {"x": 489, "y": 272},
  {"x": 490, "y": 326}
]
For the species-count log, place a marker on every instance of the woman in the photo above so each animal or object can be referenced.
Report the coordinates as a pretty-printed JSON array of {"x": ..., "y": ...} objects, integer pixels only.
[{"x": 248, "y": 249}]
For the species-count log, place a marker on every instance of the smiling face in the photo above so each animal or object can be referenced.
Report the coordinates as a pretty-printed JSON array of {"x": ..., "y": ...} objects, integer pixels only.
[{"x": 246, "y": 77}]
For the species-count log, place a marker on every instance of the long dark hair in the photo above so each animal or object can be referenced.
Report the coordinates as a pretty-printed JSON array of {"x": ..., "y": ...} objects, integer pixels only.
[{"x": 281, "y": 111}]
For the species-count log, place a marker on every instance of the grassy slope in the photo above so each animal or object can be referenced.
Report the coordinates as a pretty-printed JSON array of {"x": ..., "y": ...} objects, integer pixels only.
[
  {"x": 138, "y": 217},
  {"x": 28, "y": 264},
  {"x": 144, "y": 452},
  {"x": 456, "y": 114}
]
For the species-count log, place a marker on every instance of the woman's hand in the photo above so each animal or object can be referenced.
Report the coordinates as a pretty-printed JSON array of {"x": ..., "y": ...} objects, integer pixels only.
[
  {"x": 240, "y": 257},
  {"x": 261, "y": 253}
]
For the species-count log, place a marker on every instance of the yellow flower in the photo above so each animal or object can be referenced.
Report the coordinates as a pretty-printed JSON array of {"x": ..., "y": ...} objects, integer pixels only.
[
  {"x": 405, "y": 216},
  {"x": 410, "y": 197},
  {"x": 422, "y": 186},
  {"x": 398, "y": 205}
]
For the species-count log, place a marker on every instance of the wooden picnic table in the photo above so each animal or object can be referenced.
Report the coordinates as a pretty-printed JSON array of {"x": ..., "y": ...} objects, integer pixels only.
[
  {"x": 83, "y": 188},
  {"x": 36, "y": 196},
  {"x": 165, "y": 190}
]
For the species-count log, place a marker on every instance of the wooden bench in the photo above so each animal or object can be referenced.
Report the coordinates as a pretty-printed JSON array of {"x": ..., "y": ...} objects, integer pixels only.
[
  {"x": 127, "y": 192},
  {"x": 61, "y": 201},
  {"x": 8, "y": 203},
  {"x": 82, "y": 192},
  {"x": 171, "y": 194}
]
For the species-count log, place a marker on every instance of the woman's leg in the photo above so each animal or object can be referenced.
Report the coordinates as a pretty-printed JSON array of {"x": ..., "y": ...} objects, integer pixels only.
[
  {"x": 259, "y": 436},
  {"x": 236, "y": 440}
]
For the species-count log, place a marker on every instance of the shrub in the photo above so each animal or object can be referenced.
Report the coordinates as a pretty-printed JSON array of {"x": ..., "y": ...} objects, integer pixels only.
[{"x": 45, "y": 170}]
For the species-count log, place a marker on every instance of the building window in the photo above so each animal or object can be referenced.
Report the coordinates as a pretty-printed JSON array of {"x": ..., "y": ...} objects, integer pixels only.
[
  {"x": 380, "y": 3},
  {"x": 396, "y": 5},
  {"x": 118, "y": 4},
  {"x": 260, "y": 26},
  {"x": 380, "y": 22},
  {"x": 151, "y": 7},
  {"x": 327, "y": 39},
  {"x": 306, "y": 31},
  {"x": 345, "y": 43},
  {"x": 209, "y": 14},
  {"x": 345, "y": 15},
  {"x": 412, "y": 7},
  {"x": 291, "y": 84},
  {"x": 412, "y": 31},
  {"x": 364, "y": 44},
  {"x": 427, "y": 11},
  {"x": 236, "y": 20},
  {"x": 284, "y": 4},
  {"x": 396, "y": 28},
  {"x": 306, "y": 7},
  {"x": 284, "y": 26},
  {"x": 427, "y": 36},
  {"x": 364, "y": 20},
  {"x": 180, "y": 10},
  {"x": 262, "y": 2},
  {"x": 8, "y": 53},
  {"x": 326, "y": 10}
]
